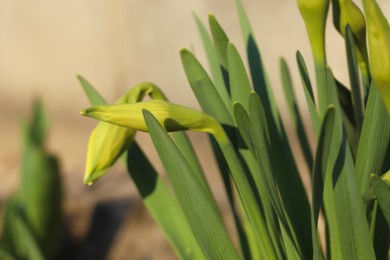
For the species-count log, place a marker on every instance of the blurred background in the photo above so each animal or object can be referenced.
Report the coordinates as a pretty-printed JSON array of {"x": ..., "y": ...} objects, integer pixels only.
[{"x": 115, "y": 45}]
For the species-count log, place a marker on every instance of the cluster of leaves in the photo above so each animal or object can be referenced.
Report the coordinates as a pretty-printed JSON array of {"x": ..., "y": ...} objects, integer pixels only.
[
  {"x": 32, "y": 215},
  {"x": 272, "y": 213}
]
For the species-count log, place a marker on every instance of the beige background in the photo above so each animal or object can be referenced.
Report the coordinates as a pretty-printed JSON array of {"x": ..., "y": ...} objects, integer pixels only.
[{"x": 116, "y": 44}]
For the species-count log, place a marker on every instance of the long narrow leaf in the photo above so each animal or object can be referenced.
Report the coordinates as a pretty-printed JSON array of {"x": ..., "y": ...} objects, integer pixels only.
[
  {"x": 220, "y": 40},
  {"x": 349, "y": 232},
  {"x": 198, "y": 207},
  {"x": 356, "y": 89},
  {"x": 94, "y": 97},
  {"x": 162, "y": 204},
  {"x": 318, "y": 176},
  {"x": 307, "y": 87},
  {"x": 382, "y": 192},
  {"x": 214, "y": 64},
  {"x": 256, "y": 66},
  {"x": 239, "y": 83},
  {"x": 374, "y": 140},
  {"x": 294, "y": 112},
  {"x": 261, "y": 141},
  {"x": 243, "y": 123},
  {"x": 204, "y": 89}
]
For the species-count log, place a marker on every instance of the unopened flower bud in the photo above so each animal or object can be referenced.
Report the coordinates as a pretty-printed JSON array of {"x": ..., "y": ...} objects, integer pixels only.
[
  {"x": 108, "y": 142},
  {"x": 379, "y": 45},
  {"x": 314, "y": 13},
  {"x": 171, "y": 116},
  {"x": 346, "y": 12}
]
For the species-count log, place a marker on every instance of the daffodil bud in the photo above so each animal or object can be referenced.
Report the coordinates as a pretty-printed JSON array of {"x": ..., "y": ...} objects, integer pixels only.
[
  {"x": 108, "y": 142},
  {"x": 171, "y": 116},
  {"x": 386, "y": 178},
  {"x": 346, "y": 12},
  {"x": 379, "y": 45},
  {"x": 314, "y": 13}
]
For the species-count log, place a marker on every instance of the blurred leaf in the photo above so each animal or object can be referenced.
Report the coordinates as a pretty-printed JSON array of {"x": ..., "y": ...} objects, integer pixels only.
[
  {"x": 12, "y": 209},
  {"x": 39, "y": 123},
  {"x": 27, "y": 242},
  {"x": 198, "y": 206},
  {"x": 214, "y": 64},
  {"x": 40, "y": 196},
  {"x": 294, "y": 112},
  {"x": 17, "y": 238},
  {"x": 94, "y": 97},
  {"x": 162, "y": 204},
  {"x": 4, "y": 255}
]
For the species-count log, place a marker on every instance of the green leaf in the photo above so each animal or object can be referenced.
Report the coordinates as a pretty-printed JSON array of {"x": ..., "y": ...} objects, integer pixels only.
[
  {"x": 220, "y": 40},
  {"x": 380, "y": 232},
  {"x": 204, "y": 89},
  {"x": 30, "y": 250},
  {"x": 183, "y": 143},
  {"x": 94, "y": 97},
  {"x": 261, "y": 143},
  {"x": 382, "y": 192},
  {"x": 214, "y": 64},
  {"x": 243, "y": 124},
  {"x": 39, "y": 123},
  {"x": 40, "y": 195},
  {"x": 265, "y": 197},
  {"x": 374, "y": 140},
  {"x": 4, "y": 255},
  {"x": 162, "y": 205},
  {"x": 17, "y": 238},
  {"x": 308, "y": 90},
  {"x": 240, "y": 87},
  {"x": 12, "y": 208},
  {"x": 356, "y": 88},
  {"x": 318, "y": 176},
  {"x": 294, "y": 112},
  {"x": 212, "y": 104},
  {"x": 346, "y": 104},
  {"x": 198, "y": 206},
  {"x": 256, "y": 67},
  {"x": 346, "y": 218}
]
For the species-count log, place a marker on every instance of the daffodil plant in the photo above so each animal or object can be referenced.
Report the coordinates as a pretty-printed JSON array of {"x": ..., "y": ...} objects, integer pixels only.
[{"x": 275, "y": 216}]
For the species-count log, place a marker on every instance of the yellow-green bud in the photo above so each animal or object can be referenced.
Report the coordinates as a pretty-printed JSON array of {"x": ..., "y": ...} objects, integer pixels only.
[
  {"x": 108, "y": 142},
  {"x": 171, "y": 116},
  {"x": 314, "y": 13},
  {"x": 386, "y": 178},
  {"x": 346, "y": 12},
  {"x": 379, "y": 45}
]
